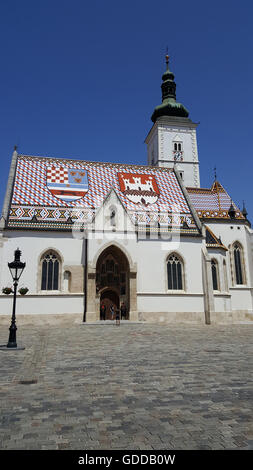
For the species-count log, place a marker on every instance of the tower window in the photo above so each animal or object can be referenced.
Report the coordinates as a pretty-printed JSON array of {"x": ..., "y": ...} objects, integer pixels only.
[
  {"x": 178, "y": 146},
  {"x": 178, "y": 151}
]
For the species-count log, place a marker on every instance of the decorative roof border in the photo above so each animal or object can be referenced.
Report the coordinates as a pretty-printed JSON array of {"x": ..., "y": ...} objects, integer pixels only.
[
  {"x": 28, "y": 216},
  {"x": 212, "y": 214}
]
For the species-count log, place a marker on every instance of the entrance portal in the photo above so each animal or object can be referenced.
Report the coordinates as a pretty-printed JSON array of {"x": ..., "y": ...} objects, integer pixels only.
[
  {"x": 112, "y": 280},
  {"x": 110, "y": 299}
]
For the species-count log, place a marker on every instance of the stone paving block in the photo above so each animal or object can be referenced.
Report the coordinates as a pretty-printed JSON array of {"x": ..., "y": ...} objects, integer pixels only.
[{"x": 168, "y": 389}]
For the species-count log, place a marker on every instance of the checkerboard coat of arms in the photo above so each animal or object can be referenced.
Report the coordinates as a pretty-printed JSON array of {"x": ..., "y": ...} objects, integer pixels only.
[
  {"x": 68, "y": 184},
  {"x": 139, "y": 188}
]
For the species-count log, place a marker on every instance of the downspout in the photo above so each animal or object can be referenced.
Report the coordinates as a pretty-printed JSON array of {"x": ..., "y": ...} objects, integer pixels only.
[
  {"x": 207, "y": 283},
  {"x": 85, "y": 275}
]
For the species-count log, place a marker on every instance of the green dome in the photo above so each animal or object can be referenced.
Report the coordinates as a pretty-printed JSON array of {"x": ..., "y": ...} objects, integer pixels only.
[{"x": 169, "y": 107}]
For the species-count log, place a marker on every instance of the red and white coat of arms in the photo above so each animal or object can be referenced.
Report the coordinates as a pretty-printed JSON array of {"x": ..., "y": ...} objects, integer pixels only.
[
  {"x": 139, "y": 188},
  {"x": 68, "y": 184}
]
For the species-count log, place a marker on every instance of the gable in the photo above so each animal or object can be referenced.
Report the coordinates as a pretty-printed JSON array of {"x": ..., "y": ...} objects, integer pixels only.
[{"x": 212, "y": 241}]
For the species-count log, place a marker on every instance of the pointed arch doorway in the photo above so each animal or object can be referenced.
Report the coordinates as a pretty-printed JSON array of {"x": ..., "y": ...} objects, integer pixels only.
[{"x": 112, "y": 280}]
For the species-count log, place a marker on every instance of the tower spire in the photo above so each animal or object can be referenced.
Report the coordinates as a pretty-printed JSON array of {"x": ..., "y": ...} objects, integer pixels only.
[
  {"x": 231, "y": 210},
  {"x": 169, "y": 106},
  {"x": 244, "y": 210},
  {"x": 215, "y": 174}
]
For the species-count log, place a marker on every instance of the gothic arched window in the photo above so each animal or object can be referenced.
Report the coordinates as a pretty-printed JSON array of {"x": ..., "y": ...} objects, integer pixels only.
[
  {"x": 175, "y": 272},
  {"x": 215, "y": 275},
  {"x": 238, "y": 266},
  {"x": 50, "y": 271}
]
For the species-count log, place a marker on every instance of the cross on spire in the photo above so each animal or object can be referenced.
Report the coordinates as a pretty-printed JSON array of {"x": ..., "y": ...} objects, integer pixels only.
[
  {"x": 215, "y": 173},
  {"x": 167, "y": 57}
]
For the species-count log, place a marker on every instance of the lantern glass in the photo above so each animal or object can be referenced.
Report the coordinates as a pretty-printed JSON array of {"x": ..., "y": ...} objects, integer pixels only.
[{"x": 12, "y": 271}]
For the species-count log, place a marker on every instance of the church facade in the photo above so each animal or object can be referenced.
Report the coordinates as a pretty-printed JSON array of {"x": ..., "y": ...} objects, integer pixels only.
[{"x": 146, "y": 237}]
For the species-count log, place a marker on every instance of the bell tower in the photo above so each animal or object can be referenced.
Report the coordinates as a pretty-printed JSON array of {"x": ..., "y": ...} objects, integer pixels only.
[{"x": 172, "y": 140}]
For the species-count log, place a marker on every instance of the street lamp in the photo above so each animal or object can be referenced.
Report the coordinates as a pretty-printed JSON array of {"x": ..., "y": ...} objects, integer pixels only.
[{"x": 16, "y": 268}]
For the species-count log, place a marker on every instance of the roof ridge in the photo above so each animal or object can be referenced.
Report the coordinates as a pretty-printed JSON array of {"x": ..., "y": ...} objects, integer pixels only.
[
  {"x": 91, "y": 162},
  {"x": 192, "y": 188},
  {"x": 217, "y": 186}
]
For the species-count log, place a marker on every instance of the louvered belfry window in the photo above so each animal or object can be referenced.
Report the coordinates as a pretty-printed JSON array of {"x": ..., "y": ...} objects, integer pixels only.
[
  {"x": 175, "y": 273},
  {"x": 50, "y": 272}
]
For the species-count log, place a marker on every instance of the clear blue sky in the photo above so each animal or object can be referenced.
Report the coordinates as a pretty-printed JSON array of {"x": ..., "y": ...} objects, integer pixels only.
[{"x": 80, "y": 79}]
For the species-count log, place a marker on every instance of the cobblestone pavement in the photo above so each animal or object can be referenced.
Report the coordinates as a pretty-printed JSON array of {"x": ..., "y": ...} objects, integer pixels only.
[{"x": 140, "y": 386}]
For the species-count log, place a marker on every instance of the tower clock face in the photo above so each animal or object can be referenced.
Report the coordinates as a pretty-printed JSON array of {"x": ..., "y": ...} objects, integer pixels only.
[{"x": 178, "y": 156}]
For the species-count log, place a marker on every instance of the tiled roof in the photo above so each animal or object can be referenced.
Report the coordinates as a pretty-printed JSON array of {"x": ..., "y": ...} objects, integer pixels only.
[
  {"x": 213, "y": 203},
  {"x": 35, "y": 205},
  {"x": 212, "y": 241}
]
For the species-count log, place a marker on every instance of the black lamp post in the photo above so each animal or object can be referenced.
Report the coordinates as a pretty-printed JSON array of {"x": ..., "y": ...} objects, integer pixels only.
[{"x": 16, "y": 268}]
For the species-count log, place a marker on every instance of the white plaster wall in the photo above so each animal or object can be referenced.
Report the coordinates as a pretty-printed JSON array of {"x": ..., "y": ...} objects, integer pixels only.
[
  {"x": 230, "y": 233},
  {"x": 150, "y": 257},
  {"x": 189, "y": 171},
  {"x": 249, "y": 242},
  {"x": 219, "y": 256},
  {"x": 32, "y": 245},
  {"x": 152, "y": 269},
  {"x": 171, "y": 303},
  {"x": 153, "y": 149},
  {"x": 40, "y": 304},
  {"x": 222, "y": 303},
  {"x": 189, "y": 165},
  {"x": 167, "y": 135},
  {"x": 241, "y": 297}
]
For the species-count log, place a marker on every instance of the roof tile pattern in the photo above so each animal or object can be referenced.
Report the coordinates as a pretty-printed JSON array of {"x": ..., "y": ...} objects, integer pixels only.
[
  {"x": 212, "y": 203},
  {"x": 31, "y": 176},
  {"x": 32, "y": 202}
]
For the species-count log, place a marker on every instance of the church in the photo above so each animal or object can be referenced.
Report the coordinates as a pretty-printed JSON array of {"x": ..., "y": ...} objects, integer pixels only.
[{"x": 149, "y": 237}]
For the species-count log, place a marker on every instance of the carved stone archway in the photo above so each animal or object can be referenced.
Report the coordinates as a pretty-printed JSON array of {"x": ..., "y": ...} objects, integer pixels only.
[{"x": 111, "y": 271}]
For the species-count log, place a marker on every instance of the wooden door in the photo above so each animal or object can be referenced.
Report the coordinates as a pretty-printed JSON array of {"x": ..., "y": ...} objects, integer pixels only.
[{"x": 110, "y": 298}]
